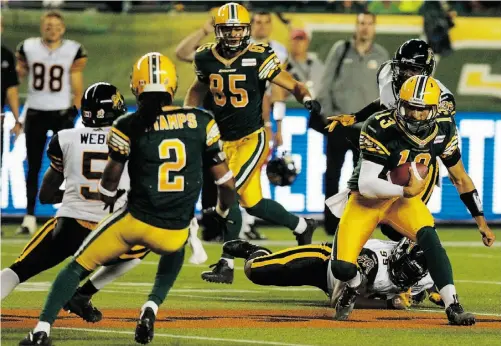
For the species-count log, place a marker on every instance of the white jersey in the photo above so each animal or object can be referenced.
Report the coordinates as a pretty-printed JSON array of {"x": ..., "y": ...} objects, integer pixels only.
[
  {"x": 81, "y": 155},
  {"x": 379, "y": 251},
  {"x": 49, "y": 84},
  {"x": 389, "y": 96}
]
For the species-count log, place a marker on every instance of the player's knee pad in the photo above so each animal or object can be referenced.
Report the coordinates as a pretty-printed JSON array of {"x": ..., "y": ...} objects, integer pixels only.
[
  {"x": 342, "y": 270},
  {"x": 390, "y": 232}
]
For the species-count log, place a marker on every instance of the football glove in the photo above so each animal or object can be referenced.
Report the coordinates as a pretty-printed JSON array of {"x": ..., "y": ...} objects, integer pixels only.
[
  {"x": 343, "y": 119},
  {"x": 313, "y": 106},
  {"x": 436, "y": 299},
  {"x": 402, "y": 301}
]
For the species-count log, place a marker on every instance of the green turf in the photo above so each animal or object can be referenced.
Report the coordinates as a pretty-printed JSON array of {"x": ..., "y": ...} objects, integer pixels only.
[{"x": 477, "y": 273}]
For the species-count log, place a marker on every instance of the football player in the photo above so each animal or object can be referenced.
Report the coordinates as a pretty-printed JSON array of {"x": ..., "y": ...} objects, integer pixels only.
[
  {"x": 235, "y": 72},
  {"x": 54, "y": 67},
  {"x": 411, "y": 132},
  {"x": 389, "y": 270},
  {"x": 165, "y": 146},
  {"x": 77, "y": 156}
]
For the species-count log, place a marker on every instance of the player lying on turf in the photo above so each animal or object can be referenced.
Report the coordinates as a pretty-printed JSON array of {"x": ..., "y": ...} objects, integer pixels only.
[
  {"x": 389, "y": 270},
  {"x": 79, "y": 156},
  {"x": 166, "y": 147},
  {"x": 409, "y": 133},
  {"x": 235, "y": 73}
]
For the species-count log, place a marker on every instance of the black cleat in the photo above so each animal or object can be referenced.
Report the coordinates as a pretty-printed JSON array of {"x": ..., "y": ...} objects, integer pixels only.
[
  {"x": 81, "y": 305},
  {"x": 458, "y": 317},
  {"x": 222, "y": 273},
  {"x": 38, "y": 338},
  {"x": 241, "y": 248},
  {"x": 306, "y": 237},
  {"x": 346, "y": 303},
  {"x": 253, "y": 234},
  {"x": 23, "y": 230},
  {"x": 145, "y": 327}
]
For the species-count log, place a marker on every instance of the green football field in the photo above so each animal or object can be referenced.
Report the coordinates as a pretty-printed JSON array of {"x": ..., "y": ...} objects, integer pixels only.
[{"x": 200, "y": 313}]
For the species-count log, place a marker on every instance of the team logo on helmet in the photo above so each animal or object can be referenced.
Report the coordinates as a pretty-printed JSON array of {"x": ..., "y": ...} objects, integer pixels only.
[{"x": 117, "y": 100}]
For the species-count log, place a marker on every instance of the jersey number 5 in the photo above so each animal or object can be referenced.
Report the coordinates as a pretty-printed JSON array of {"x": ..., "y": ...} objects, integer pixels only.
[
  {"x": 166, "y": 183},
  {"x": 239, "y": 97},
  {"x": 90, "y": 174}
]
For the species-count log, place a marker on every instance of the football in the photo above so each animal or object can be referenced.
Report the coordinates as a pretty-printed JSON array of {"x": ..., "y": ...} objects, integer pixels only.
[{"x": 401, "y": 175}]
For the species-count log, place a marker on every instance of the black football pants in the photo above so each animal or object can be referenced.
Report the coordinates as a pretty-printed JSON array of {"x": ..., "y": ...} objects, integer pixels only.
[{"x": 36, "y": 125}]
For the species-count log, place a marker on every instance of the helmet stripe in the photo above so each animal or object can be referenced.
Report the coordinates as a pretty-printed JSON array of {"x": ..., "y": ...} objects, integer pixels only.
[
  {"x": 233, "y": 11},
  {"x": 420, "y": 87},
  {"x": 154, "y": 68}
]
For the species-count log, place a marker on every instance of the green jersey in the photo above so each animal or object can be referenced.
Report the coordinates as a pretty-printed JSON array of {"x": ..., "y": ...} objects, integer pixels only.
[
  {"x": 385, "y": 142},
  {"x": 237, "y": 86},
  {"x": 165, "y": 163}
]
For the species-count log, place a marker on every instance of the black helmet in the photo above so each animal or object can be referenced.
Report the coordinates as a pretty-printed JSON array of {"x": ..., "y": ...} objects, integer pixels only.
[
  {"x": 282, "y": 170},
  {"x": 412, "y": 58},
  {"x": 406, "y": 264},
  {"x": 102, "y": 103}
]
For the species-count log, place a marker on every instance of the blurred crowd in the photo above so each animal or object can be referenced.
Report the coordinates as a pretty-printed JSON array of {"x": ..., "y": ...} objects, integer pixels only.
[{"x": 462, "y": 8}]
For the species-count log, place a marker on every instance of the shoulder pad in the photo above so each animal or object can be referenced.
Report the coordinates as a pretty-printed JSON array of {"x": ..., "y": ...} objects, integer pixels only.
[
  {"x": 380, "y": 125},
  {"x": 207, "y": 47}
]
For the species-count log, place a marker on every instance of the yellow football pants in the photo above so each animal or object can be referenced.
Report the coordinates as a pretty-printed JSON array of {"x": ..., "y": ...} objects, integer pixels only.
[
  {"x": 362, "y": 215},
  {"x": 245, "y": 158},
  {"x": 119, "y": 233}
]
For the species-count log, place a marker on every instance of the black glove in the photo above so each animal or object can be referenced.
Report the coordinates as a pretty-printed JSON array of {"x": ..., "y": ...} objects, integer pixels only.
[
  {"x": 69, "y": 116},
  {"x": 109, "y": 202},
  {"x": 313, "y": 106}
]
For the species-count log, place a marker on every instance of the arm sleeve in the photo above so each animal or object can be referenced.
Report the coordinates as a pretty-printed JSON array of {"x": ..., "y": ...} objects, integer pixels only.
[
  {"x": 55, "y": 154},
  {"x": 212, "y": 153},
  {"x": 451, "y": 154},
  {"x": 269, "y": 64},
  {"x": 373, "y": 107},
  {"x": 119, "y": 142},
  {"x": 371, "y": 186}
]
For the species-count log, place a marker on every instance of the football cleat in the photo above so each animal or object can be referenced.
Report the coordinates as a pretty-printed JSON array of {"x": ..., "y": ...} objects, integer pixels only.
[
  {"x": 38, "y": 338},
  {"x": 221, "y": 273},
  {"x": 458, "y": 317},
  {"x": 81, "y": 305},
  {"x": 346, "y": 303},
  {"x": 145, "y": 327},
  {"x": 241, "y": 249},
  {"x": 29, "y": 225},
  {"x": 306, "y": 237}
]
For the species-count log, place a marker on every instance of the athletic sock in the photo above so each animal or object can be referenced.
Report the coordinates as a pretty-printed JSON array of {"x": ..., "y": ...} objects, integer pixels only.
[
  {"x": 274, "y": 212},
  {"x": 230, "y": 262},
  {"x": 61, "y": 291},
  {"x": 109, "y": 273},
  {"x": 167, "y": 272},
  {"x": 234, "y": 223},
  {"x": 356, "y": 281},
  {"x": 449, "y": 295},
  {"x": 9, "y": 280},
  {"x": 42, "y": 327},
  {"x": 301, "y": 226},
  {"x": 149, "y": 304},
  {"x": 88, "y": 289}
]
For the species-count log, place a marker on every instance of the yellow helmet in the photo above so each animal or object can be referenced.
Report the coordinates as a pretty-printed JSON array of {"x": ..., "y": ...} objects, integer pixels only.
[
  {"x": 229, "y": 17},
  {"x": 418, "y": 94},
  {"x": 153, "y": 72}
]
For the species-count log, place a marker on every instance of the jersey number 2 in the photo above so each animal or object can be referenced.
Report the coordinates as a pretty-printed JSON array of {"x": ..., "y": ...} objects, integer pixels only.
[
  {"x": 89, "y": 174},
  {"x": 239, "y": 97},
  {"x": 165, "y": 182}
]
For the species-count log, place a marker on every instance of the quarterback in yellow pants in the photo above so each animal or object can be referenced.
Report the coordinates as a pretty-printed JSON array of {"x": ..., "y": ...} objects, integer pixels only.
[
  {"x": 166, "y": 147},
  {"x": 389, "y": 139}
]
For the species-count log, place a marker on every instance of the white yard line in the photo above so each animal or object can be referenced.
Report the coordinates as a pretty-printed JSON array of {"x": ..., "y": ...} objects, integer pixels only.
[
  {"x": 475, "y": 313},
  {"x": 187, "y": 337}
]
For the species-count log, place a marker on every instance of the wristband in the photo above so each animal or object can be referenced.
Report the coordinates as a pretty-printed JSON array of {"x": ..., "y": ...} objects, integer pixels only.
[
  {"x": 220, "y": 211},
  {"x": 306, "y": 98},
  {"x": 267, "y": 124},
  {"x": 105, "y": 192},
  {"x": 473, "y": 203},
  {"x": 278, "y": 110},
  {"x": 224, "y": 178}
]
